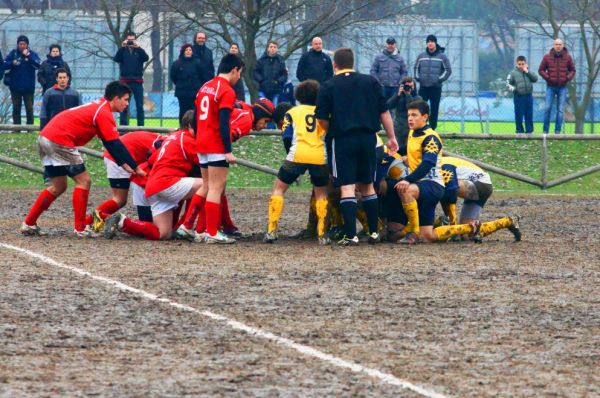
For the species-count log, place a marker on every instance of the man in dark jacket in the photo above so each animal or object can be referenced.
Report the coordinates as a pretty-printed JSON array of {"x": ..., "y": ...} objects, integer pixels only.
[
  {"x": 131, "y": 58},
  {"x": 389, "y": 68},
  {"x": 399, "y": 102},
  {"x": 21, "y": 64},
  {"x": 47, "y": 74},
  {"x": 57, "y": 98},
  {"x": 432, "y": 68},
  {"x": 270, "y": 73},
  {"x": 186, "y": 74},
  {"x": 315, "y": 64},
  {"x": 558, "y": 69},
  {"x": 240, "y": 92},
  {"x": 205, "y": 56}
]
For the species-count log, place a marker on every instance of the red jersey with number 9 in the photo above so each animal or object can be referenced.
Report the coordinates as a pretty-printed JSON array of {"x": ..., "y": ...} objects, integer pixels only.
[{"x": 215, "y": 95}]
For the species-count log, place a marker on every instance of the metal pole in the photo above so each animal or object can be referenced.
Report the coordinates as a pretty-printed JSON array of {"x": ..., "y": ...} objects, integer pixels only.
[
  {"x": 462, "y": 89},
  {"x": 544, "y": 161}
]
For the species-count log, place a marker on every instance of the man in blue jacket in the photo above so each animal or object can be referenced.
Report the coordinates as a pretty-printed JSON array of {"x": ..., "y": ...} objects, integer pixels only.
[
  {"x": 21, "y": 64},
  {"x": 432, "y": 68},
  {"x": 131, "y": 58},
  {"x": 389, "y": 68}
]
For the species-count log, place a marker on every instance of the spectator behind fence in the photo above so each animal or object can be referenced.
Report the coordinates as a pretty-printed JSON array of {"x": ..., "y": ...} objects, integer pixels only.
[
  {"x": 21, "y": 64},
  {"x": 131, "y": 58},
  {"x": 47, "y": 73},
  {"x": 315, "y": 64},
  {"x": 432, "y": 68},
  {"x": 558, "y": 69},
  {"x": 405, "y": 95},
  {"x": 59, "y": 97},
  {"x": 205, "y": 56},
  {"x": 186, "y": 74},
  {"x": 389, "y": 68},
  {"x": 520, "y": 82},
  {"x": 270, "y": 73},
  {"x": 240, "y": 92}
]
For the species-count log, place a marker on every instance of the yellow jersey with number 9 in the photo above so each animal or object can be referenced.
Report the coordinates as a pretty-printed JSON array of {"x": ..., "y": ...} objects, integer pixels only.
[{"x": 308, "y": 139}]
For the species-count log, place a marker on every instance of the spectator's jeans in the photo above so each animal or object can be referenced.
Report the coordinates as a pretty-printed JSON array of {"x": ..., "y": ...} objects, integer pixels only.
[
  {"x": 274, "y": 98},
  {"x": 524, "y": 109},
  {"x": 561, "y": 94},
  {"x": 17, "y": 98},
  {"x": 433, "y": 95},
  {"x": 185, "y": 104},
  {"x": 138, "y": 94}
]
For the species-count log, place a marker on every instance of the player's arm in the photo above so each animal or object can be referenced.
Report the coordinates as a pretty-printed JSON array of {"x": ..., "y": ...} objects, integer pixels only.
[
  {"x": 431, "y": 148},
  {"x": 388, "y": 126},
  {"x": 121, "y": 154},
  {"x": 323, "y": 109},
  {"x": 224, "y": 116}
]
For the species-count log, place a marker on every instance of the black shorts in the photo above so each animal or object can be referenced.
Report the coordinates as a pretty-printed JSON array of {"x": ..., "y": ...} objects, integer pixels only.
[
  {"x": 290, "y": 171},
  {"x": 353, "y": 159},
  {"x": 119, "y": 183},
  {"x": 430, "y": 194},
  {"x": 216, "y": 163},
  {"x": 61, "y": 171},
  {"x": 484, "y": 190}
]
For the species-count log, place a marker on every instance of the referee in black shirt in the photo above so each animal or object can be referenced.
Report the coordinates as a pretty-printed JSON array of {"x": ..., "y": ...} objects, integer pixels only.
[{"x": 351, "y": 107}]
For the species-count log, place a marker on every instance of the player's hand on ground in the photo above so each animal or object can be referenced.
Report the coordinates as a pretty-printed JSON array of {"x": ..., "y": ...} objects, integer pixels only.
[
  {"x": 402, "y": 186},
  {"x": 229, "y": 157},
  {"x": 392, "y": 146}
]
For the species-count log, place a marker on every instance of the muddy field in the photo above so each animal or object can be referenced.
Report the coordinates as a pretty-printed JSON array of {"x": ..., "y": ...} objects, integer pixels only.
[{"x": 459, "y": 319}]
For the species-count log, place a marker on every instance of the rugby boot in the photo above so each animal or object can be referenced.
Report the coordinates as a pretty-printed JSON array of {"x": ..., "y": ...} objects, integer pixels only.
[
  {"x": 345, "y": 241},
  {"x": 514, "y": 228},
  {"x": 86, "y": 233},
  {"x": 374, "y": 238},
  {"x": 97, "y": 221},
  {"x": 187, "y": 234},
  {"x": 271, "y": 237},
  {"x": 113, "y": 224},
  {"x": 475, "y": 234},
  {"x": 236, "y": 233},
  {"x": 410, "y": 239},
  {"x": 31, "y": 230},
  {"x": 219, "y": 238},
  {"x": 324, "y": 240}
]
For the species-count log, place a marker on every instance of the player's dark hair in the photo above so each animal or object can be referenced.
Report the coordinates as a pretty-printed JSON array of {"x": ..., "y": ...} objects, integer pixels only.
[
  {"x": 130, "y": 33},
  {"x": 272, "y": 42},
  {"x": 420, "y": 105},
  {"x": 521, "y": 58},
  {"x": 229, "y": 62},
  {"x": 280, "y": 111},
  {"x": 60, "y": 70},
  {"x": 187, "y": 120},
  {"x": 343, "y": 58},
  {"x": 407, "y": 79},
  {"x": 116, "y": 89},
  {"x": 306, "y": 92},
  {"x": 52, "y": 46}
]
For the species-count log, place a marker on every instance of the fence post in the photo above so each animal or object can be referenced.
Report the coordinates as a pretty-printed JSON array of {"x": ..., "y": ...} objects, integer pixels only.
[
  {"x": 462, "y": 89},
  {"x": 487, "y": 119},
  {"x": 544, "y": 166}
]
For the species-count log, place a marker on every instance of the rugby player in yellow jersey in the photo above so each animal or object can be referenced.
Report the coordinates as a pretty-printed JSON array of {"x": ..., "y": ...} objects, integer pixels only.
[
  {"x": 423, "y": 187},
  {"x": 471, "y": 183},
  {"x": 307, "y": 152}
]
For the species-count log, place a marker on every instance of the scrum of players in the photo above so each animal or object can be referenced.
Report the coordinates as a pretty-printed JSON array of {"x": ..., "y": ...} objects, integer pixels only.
[{"x": 178, "y": 181}]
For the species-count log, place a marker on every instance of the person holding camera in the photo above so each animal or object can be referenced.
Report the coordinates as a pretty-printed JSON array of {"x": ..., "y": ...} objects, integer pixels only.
[
  {"x": 131, "y": 58},
  {"x": 21, "y": 64},
  {"x": 47, "y": 74},
  {"x": 405, "y": 94}
]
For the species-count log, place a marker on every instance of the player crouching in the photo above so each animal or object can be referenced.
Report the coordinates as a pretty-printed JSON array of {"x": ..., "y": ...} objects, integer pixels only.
[{"x": 168, "y": 184}]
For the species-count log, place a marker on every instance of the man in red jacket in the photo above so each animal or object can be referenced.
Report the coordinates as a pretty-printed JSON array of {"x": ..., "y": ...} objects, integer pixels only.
[{"x": 558, "y": 69}]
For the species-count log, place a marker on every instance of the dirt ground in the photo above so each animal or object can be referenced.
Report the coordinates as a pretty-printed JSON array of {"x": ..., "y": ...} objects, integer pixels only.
[{"x": 460, "y": 319}]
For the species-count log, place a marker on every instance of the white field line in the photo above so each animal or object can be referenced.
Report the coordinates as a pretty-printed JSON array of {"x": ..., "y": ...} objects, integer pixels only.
[{"x": 303, "y": 349}]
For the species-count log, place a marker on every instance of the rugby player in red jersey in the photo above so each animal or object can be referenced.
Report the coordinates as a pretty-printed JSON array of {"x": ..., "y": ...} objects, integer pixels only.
[
  {"x": 58, "y": 142},
  {"x": 214, "y": 104},
  {"x": 168, "y": 184}
]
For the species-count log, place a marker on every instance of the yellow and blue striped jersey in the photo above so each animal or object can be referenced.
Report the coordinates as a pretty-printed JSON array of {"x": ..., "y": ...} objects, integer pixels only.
[{"x": 308, "y": 138}]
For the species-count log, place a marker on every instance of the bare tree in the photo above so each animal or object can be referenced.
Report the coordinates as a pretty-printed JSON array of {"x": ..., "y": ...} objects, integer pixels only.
[
  {"x": 291, "y": 23},
  {"x": 550, "y": 18}
]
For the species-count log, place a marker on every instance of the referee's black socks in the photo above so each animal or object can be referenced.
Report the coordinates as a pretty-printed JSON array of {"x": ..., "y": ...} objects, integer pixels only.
[
  {"x": 348, "y": 209},
  {"x": 371, "y": 206}
]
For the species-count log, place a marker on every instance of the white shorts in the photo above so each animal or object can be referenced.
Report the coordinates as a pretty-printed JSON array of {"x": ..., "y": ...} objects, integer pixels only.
[
  {"x": 113, "y": 170},
  {"x": 138, "y": 195},
  {"x": 205, "y": 158},
  {"x": 53, "y": 154},
  {"x": 169, "y": 198}
]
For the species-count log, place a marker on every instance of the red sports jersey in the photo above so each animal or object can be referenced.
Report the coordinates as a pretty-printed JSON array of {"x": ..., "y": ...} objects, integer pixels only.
[
  {"x": 77, "y": 126},
  {"x": 240, "y": 123},
  {"x": 172, "y": 162},
  {"x": 215, "y": 95},
  {"x": 138, "y": 143}
]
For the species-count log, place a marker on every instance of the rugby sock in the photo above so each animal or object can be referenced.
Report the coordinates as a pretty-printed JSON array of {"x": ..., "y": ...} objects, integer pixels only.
[
  {"x": 213, "y": 216},
  {"x": 108, "y": 208},
  {"x": 361, "y": 216},
  {"x": 201, "y": 224},
  {"x": 311, "y": 225},
  {"x": 450, "y": 212},
  {"x": 193, "y": 210},
  {"x": 275, "y": 209},
  {"x": 226, "y": 220},
  {"x": 321, "y": 210},
  {"x": 144, "y": 213},
  {"x": 371, "y": 205},
  {"x": 41, "y": 204},
  {"x": 348, "y": 209},
  {"x": 80, "y": 201},
  {"x": 412, "y": 213},
  {"x": 143, "y": 229},
  {"x": 492, "y": 226},
  {"x": 446, "y": 232}
]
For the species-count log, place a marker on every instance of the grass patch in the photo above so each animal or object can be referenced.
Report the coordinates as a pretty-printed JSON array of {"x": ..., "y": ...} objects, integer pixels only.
[{"x": 521, "y": 156}]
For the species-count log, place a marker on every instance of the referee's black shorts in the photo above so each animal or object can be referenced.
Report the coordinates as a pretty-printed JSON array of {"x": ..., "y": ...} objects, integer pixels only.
[{"x": 352, "y": 158}]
